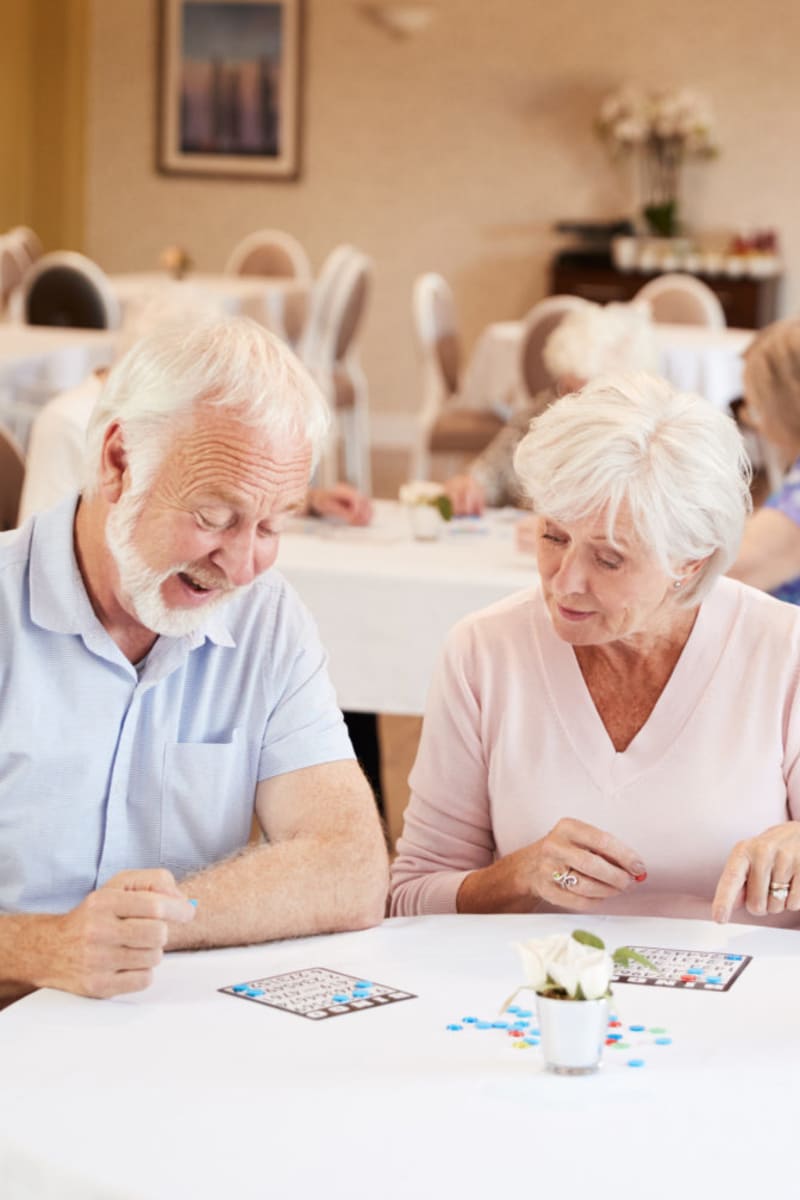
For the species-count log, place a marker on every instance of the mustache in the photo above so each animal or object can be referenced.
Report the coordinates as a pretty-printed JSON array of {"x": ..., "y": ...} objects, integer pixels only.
[{"x": 205, "y": 578}]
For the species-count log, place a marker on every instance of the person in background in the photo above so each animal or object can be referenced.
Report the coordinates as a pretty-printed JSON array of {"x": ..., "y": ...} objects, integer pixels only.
[
  {"x": 588, "y": 342},
  {"x": 625, "y": 736},
  {"x": 161, "y": 686},
  {"x": 769, "y": 556}
]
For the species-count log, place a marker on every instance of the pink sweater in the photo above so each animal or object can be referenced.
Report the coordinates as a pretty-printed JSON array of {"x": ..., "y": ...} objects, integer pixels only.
[{"x": 512, "y": 742}]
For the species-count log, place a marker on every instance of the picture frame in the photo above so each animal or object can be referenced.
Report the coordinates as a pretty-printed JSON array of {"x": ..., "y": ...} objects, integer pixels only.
[{"x": 229, "y": 88}]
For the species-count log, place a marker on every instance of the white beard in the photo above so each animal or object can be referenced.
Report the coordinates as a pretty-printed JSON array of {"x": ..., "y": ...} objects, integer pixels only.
[{"x": 140, "y": 586}]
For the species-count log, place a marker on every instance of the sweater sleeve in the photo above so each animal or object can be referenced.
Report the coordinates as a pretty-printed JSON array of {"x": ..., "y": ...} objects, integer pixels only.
[{"x": 448, "y": 828}]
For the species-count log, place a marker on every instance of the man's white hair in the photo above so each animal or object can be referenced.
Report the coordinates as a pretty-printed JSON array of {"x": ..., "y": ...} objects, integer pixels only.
[
  {"x": 228, "y": 364},
  {"x": 600, "y": 339},
  {"x": 676, "y": 462}
]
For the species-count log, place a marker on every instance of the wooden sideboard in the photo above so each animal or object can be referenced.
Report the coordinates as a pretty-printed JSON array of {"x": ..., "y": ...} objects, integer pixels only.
[{"x": 748, "y": 303}]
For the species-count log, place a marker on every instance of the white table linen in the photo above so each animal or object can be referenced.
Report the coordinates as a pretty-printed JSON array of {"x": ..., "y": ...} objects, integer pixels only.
[
  {"x": 38, "y": 361},
  {"x": 183, "y": 1091},
  {"x": 708, "y": 361},
  {"x": 279, "y": 304},
  {"x": 384, "y": 602}
]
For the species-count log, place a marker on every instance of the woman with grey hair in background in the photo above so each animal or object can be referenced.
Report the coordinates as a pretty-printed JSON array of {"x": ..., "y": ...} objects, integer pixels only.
[
  {"x": 625, "y": 736},
  {"x": 591, "y": 341},
  {"x": 769, "y": 557}
]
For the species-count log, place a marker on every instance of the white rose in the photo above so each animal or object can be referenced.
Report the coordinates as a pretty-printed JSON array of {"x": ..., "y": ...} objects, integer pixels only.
[
  {"x": 420, "y": 491},
  {"x": 568, "y": 964}
]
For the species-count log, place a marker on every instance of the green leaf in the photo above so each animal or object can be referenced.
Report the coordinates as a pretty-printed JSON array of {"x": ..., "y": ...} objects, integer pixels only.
[
  {"x": 587, "y": 939},
  {"x": 624, "y": 956},
  {"x": 445, "y": 506}
]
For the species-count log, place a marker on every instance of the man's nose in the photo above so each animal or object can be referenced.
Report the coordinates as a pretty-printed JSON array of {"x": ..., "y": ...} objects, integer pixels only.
[{"x": 244, "y": 555}]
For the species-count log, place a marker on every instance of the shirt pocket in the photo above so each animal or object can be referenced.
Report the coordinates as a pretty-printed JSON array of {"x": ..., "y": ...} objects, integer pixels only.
[{"x": 208, "y": 794}]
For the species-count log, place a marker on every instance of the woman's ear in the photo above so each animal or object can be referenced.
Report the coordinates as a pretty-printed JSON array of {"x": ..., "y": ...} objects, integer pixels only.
[
  {"x": 113, "y": 464},
  {"x": 686, "y": 571}
]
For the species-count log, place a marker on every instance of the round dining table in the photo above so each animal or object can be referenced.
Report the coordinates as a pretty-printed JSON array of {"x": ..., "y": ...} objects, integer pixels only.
[{"x": 186, "y": 1091}]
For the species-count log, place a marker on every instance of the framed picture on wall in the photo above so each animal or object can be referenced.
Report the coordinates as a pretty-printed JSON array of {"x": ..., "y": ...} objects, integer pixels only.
[{"x": 230, "y": 88}]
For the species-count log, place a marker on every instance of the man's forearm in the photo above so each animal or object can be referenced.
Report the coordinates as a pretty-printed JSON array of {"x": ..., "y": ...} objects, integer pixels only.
[
  {"x": 290, "y": 889},
  {"x": 24, "y": 942}
]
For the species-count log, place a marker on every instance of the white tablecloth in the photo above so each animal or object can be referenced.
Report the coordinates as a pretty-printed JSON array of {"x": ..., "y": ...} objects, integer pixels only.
[
  {"x": 694, "y": 359},
  {"x": 37, "y": 361},
  {"x": 181, "y": 1091},
  {"x": 280, "y": 304},
  {"x": 384, "y": 602}
]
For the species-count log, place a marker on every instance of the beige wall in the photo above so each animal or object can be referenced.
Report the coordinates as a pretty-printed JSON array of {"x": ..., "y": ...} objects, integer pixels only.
[
  {"x": 455, "y": 150},
  {"x": 43, "y": 62},
  {"x": 16, "y": 129}
]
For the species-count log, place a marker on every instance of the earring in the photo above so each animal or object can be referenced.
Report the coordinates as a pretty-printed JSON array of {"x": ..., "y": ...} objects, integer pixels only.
[{"x": 676, "y": 583}]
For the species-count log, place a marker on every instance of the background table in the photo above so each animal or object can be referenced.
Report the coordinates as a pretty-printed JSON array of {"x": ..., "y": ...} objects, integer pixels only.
[
  {"x": 279, "y": 304},
  {"x": 384, "y": 602},
  {"x": 181, "y": 1091},
  {"x": 37, "y": 361},
  {"x": 708, "y": 361}
]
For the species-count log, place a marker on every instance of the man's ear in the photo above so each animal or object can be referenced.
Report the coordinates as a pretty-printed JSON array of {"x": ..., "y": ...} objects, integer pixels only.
[{"x": 113, "y": 464}]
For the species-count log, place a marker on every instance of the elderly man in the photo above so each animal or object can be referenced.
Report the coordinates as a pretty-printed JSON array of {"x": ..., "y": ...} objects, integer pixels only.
[{"x": 159, "y": 685}]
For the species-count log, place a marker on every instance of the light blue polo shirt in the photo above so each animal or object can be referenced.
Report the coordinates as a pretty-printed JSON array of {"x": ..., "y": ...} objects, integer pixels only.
[{"x": 102, "y": 769}]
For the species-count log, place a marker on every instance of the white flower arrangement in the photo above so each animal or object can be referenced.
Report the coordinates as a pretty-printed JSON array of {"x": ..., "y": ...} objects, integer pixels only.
[
  {"x": 661, "y": 129},
  {"x": 423, "y": 491},
  {"x": 573, "y": 966}
]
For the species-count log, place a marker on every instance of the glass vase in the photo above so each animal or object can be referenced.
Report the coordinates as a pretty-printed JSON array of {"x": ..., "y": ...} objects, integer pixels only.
[
  {"x": 426, "y": 522},
  {"x": 573, "y": 1034}
]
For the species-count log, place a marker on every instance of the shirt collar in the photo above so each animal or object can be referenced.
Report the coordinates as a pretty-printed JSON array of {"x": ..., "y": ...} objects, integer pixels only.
[{"x": 59, "y": 601}]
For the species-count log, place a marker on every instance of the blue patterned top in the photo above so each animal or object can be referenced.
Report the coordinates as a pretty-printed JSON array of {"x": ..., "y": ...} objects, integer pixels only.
[{"x": 787, "y": 501}]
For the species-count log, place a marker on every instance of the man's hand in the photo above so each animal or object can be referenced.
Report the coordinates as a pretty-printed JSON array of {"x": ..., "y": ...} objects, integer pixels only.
[
  {"x": 114, "y": 939},
  {"x": 466, "y": 495},
  {"x": 755, "y": 869},
  {"x": 342, "y": 502}
]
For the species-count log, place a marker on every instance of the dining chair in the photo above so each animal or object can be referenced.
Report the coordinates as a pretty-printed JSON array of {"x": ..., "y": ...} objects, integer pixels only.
[
  {"x": 443, "y": 427},
  {"x": 679, "y": 299},
  {"x": 538, "y": 324},
  {"x": 68, "y": 289},
  {"x": 12, "y": 474},
  {"x": 272, "y": 253},
  {"x": 330, "y": 351}
]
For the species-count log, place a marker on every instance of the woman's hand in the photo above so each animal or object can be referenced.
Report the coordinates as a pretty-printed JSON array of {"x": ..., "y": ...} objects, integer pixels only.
[
  {"x": 593, "y": 866},
  {"x": 755, "y": 869},
  {"x": 466, "y": 495},
  {"x": 342, "y": 502}
]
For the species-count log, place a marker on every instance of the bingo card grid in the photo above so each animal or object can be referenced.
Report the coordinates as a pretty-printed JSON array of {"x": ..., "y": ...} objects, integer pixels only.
[
  {"x": 697, "y": 970},
  {"x": 317, "y": 993}
]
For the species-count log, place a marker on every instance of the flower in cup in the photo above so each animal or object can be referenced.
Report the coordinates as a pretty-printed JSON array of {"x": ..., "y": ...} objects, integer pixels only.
[
  {"x": 423, "y": 491},
  {"x": 573, "y": 966}
]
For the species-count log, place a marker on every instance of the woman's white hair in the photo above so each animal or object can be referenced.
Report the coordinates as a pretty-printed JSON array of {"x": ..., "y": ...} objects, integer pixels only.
[
  {"x": 678, "y": 464},
  {"x": 600, "y": 339},
  {"x": 228, "y": 364}
]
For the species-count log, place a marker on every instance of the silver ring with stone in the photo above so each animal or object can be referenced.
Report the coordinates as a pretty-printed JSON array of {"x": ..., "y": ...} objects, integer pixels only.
[
  {"x": 779, "y": 891},
  {"x": 565, "y": 878}
]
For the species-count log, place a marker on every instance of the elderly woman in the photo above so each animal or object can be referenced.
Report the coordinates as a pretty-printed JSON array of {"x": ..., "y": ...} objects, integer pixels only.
[
  {"x": 769, "y": 556},
  {"x": 592, "y": 340},
  {"x": 625, "y": 736}
]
